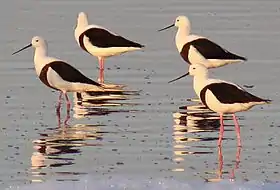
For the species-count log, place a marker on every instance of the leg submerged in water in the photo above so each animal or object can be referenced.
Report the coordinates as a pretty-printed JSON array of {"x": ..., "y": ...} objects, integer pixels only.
[
  {"x": 68, "y": 109},
  {"x": 59, "y": 102},
  {"x": 101, "y": 70}
]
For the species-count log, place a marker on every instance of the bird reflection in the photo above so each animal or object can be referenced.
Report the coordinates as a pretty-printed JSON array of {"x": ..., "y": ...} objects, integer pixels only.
[
  {"x": 56, "y": 147},
  {"x": 193, "y": 132},
  {"x": 97, "y": 103},
  {"x": 67, "y": 117},
  {"x": 220, "y": 171}
]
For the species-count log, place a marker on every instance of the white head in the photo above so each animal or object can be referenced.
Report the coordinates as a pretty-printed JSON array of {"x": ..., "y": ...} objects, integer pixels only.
[
  {"x": 82, "y": 20},
  {"x": 36, "y": 42},
  {"x": 197, "y": 69},
  {"x": 182, "y": 21},
  {"x": 40, "y": 56}
]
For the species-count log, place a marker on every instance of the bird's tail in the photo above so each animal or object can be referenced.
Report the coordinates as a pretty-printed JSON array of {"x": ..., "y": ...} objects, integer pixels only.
[
  {"x": 263, "y": 101},
  {"x": 267, "y": 101},
  {"x": 113, "y": 86},
  {"x": 82, "y": 87}
]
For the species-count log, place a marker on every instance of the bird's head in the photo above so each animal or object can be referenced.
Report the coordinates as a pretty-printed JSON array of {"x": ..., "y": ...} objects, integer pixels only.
[{"x": 36, "y": 42}]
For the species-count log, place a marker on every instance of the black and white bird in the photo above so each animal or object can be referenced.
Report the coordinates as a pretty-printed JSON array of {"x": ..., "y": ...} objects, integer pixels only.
[
  {"x": 101, "y": 42},
  {"x": 221, "y": 96},
  {"x": 196, "y": 49},
  {"x": 59, "y": 75}
]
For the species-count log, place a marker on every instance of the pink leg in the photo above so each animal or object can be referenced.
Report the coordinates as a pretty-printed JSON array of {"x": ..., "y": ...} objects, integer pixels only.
[
  {"x": 68, "y": 109},
  {"x": 221, "y": 135},
  {"x": 101, "y": 70},
  {"x": 221, "y": 162},
  {"x": 59, "y": 103},
  {"x": 237, "y": 162},
  {"x": 237, "y": 129}
]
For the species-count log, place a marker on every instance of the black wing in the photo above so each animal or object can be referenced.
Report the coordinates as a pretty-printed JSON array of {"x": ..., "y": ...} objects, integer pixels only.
[
  {"x": 70, "y": 74},
  {"x": 104, "y": 39},
  {"x": 228, "y": 94},
  {"x": 211, "y": 50}
]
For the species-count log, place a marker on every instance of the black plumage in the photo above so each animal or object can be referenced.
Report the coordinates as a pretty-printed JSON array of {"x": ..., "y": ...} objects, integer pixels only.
[
  {"x": 102, "y": 38},
  {"x": 66, "y": 72},
  {"x": 209, "y": 50},
  {"x": 229, "y": 94}
]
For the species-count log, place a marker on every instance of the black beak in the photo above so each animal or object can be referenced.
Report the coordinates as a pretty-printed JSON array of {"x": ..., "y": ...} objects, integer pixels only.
[
  {"x": 179, "y": 77},
  {"x": 29, "y": 45},
  {"x": 166, "y": 27}
]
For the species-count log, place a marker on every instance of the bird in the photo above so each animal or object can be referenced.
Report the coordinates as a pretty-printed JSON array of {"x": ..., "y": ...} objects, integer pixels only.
[
  {"x": 59, "y": 75},
  {"x": 101, "y": 42},
  {"x": 198, "y": 49},
  {"x": 221, "y": 96}
]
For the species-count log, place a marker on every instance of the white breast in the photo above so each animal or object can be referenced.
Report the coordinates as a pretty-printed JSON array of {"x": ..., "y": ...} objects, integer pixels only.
[
  {"x": 181, "y": 39},
  {"x": 40, "y": 62}
]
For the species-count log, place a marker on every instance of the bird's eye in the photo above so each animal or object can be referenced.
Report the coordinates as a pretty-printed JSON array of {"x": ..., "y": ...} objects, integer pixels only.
[
  {"x": 177, "y": 20},
  {"x": 194, "y": 68},
  {"x": 37, "y": 40}
]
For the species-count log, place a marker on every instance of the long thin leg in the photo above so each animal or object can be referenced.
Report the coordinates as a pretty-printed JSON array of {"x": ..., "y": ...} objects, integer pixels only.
[
  {"x": 68, "y": 109},
  {"x": 59, "y": 103},
  {"x": 221, "y": 162},
  {"x": 221, "y": 135},
  {"x": 58, "y": 118},
  {"x": 237, "y": 162},
  {"x": 101, "y": 70},
  {"x": 237, "y": 130}
]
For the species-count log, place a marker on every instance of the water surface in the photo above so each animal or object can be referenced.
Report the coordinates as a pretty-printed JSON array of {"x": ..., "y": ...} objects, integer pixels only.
[{"x": 139, "y": 135}]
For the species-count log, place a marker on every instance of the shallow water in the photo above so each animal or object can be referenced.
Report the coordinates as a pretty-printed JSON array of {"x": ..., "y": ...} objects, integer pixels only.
[
  {"x": 138, "y": 135},
  {"x": 120, "y": 182}
]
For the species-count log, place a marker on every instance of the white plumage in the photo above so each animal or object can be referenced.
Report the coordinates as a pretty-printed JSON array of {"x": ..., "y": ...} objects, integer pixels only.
[
  {"x": 58, "y": 74},
  {"x": 101, "y": 42},
  {"x": 221, "y": 96},
  {"x": 196, "y": 49}
]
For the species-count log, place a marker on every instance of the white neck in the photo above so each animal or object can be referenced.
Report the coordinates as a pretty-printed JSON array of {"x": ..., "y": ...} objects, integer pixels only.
[
  {"x": 82, "y": 23},
  {"x": 182, "y": 37},
  {"x": 40, "y": 58},
  {"x": 199, "y": 82}
]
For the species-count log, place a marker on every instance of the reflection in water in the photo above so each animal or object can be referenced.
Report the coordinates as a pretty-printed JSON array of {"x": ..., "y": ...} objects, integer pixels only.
[
  {"x": 56, "y": 148},
  {"x": 102, "y": 103},
  {"x": 67, "y": 118},
  {"x": 193, "y": 132},
  {"x": 220, "y": 171},
  {"x": 192, "y": 120}
]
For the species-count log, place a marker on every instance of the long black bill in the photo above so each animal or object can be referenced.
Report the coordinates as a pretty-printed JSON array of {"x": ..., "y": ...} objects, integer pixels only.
[
  {"x": 166, "y": 27},
  {"x": 179, "y": 77},
  {"x": 29, "y": 45}
]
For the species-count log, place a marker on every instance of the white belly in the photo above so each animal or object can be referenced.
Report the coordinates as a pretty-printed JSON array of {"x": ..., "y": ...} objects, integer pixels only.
[
  {"x": 57, "y": 82},
  {"x": 196, "y": 58},
  {"x": 106, "y": 52}
]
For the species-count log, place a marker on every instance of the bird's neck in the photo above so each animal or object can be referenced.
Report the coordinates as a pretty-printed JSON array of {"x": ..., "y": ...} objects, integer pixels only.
[
  {"x": 82, "y": 22},
  {"x": 80, "y": 28},
  {"x": 199, "y": 82},
  {"x": 182, "y": 37},
  {"x": 40, "y": 59}
]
